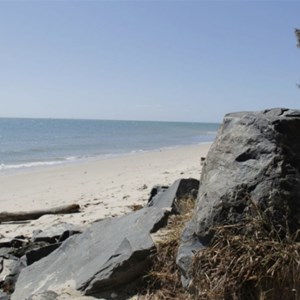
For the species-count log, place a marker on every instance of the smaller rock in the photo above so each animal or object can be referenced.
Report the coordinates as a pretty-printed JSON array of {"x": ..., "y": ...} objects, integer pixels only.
[
  {"x": 169, "y": 198},
  {"x": 54, "y": 234},
  {"x": 37, "y": 254},
  {"x": 6, "y": 252},
  {"x": 8, "y": 284},
  {"x": 157, "y": 189},
  {"x": 7, "y": 265},
  {"x": 4, "y": 296},
  {"x": 16, "y": 242}
]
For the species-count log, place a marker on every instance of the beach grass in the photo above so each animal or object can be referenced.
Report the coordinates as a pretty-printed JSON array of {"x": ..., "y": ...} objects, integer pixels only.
[
  {"x": 251, "y": 260},
  {"x": 163, "y": 279}
]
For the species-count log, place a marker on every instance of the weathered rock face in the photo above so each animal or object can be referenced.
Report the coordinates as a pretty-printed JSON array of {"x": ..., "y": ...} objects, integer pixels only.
[
  {"x": 254, "y": 159},
  {"x": 111, "y": 252}
]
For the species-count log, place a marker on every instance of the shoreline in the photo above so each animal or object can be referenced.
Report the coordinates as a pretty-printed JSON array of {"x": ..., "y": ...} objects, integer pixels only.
[
  {"x": 31, "y": 166},
  {"x": 102, "y": 187}
]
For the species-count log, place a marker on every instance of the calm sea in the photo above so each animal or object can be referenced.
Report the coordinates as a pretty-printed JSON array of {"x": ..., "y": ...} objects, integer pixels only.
[{"x": 28, "y": 143}]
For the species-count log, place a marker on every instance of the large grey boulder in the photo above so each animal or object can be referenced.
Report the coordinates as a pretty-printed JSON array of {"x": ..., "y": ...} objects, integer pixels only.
[
  {"x": 110, "y": 253},
  {"x": 254, "y": 159}
]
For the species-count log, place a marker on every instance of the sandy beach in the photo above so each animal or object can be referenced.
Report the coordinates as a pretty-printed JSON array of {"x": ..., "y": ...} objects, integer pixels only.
[{"x": 102, "y": 188}]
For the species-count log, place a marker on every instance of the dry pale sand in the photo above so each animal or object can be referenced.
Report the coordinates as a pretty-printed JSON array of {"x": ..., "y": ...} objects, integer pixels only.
[{"x": 103, "y": 188}]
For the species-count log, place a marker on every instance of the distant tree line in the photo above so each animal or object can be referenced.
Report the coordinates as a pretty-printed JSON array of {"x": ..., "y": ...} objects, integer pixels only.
[{"x": 297, "y": 32}]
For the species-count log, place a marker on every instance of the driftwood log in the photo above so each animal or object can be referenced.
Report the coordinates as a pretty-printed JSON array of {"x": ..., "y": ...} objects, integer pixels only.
[{"x": 32, "y": 215}]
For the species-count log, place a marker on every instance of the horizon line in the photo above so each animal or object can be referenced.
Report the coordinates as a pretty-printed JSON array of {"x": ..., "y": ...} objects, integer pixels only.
[{"x": 94, "y": 119}]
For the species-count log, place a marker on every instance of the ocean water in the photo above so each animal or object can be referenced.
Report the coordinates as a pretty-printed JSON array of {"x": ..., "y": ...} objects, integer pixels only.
[{"x": 26, "y": 143}]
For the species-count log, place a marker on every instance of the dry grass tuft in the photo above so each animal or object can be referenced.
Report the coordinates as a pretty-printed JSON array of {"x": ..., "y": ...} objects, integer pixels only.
[
  {"x": 163, "y": 280},
  {"x": 248, "y": 261},
  {"x": 253, "y": 260}
]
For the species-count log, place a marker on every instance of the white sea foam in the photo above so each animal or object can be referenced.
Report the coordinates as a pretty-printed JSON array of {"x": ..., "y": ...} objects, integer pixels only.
[
  {"x": 71, "y": 158},
  {"x": 29, "y": 165}
]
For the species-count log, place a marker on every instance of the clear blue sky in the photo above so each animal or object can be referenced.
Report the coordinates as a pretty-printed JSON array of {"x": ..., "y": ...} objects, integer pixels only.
[{"x": 147, "y": 60}]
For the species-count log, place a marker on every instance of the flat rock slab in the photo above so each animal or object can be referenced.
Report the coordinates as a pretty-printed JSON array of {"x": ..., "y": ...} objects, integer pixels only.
[
  {"x": 110, "y": 253},
  {"x": 169, "y": 198}
]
